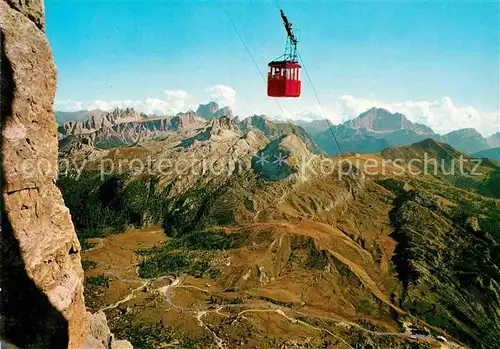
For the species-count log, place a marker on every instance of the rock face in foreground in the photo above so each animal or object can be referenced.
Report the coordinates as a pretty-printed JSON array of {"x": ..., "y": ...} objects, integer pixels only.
[
  {"x": 42, "y": 299},
  {"x": 41, "y": 277}
]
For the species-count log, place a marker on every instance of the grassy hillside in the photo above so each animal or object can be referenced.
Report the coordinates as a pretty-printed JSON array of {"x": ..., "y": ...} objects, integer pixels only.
[{"x": 273, "y": 261}]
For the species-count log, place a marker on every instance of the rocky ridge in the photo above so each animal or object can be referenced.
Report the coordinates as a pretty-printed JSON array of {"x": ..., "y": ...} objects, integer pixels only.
[
  {"x": 107, "y": 131},
  {"x": 378, "y": 129},
  {"x": 41, "y": 277},
  {"x": 252, "y": 231},
  {"x": 494, "y": 140},
  {"x": 381, "y": 120}
]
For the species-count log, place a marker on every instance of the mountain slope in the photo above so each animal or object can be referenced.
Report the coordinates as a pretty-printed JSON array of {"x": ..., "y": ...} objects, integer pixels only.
[
  {"x": 492, "y": 153},
  {"x": 445, "y": 261},
  {"x": 377, "y": 129},
  {"x": 274, "y": 130},
  {"x": 440, "y": 160},
  {"x": 494, "y": 140},
  {"x": 372, "y": 131},
  {"x": 267, "y": 250},
  {"x": 313, "y": 127},
  {"x": 381, "y": 120},
  {"x": 467, "y": 140}
]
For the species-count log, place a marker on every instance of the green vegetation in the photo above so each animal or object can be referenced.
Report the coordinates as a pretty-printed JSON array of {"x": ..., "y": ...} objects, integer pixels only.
[
  {"x": 110, "y": 143},
  {"x": 89, "y": 200},
  {"x": 88, "y": 264},
  {"x": 108, "y": 205},
  {"x": 99, "y": 280},
  {"x": 102, "y": 206},
  {"x": 148, "y": 335},
  {"x": 277, "y": 302},
  {"x": 95, "y": 288},
  {"x": 317, "y": 259},
  {"x": 365, "y": 307},
  {"x": 178, "y": 262},
  {"x": 449, "y": 268},
  {"x": 305, "y": 252},
  {"x": 192, "y": 254}
]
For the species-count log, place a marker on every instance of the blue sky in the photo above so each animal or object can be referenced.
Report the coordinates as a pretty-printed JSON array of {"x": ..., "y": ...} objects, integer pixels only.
[{"x": 438, "y": 62}]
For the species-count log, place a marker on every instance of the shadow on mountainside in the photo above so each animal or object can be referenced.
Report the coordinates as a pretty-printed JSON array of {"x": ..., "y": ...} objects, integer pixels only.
[{"x": 28, "y": 319}]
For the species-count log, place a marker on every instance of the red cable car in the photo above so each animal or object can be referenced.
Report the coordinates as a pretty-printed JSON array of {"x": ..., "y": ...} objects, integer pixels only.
[{"x": 283, "y": 78}]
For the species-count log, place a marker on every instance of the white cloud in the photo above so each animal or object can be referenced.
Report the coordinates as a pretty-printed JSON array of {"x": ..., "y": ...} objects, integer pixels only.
[
  {"x": 176, "y": 94},
  {"x": 110, "y": 105},
  {"x": 68, "y": 105},
  {"x": 222, "y": 94},
  {"x": 174, "y": 102},
  {"x": 441, "y": 115},
  {"x": 316, "y": 112},
  {"x": 156, "y": 106}
]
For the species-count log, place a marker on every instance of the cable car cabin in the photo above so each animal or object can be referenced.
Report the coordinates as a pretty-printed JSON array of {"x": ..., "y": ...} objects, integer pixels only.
[{"x": 283, "y": 79}]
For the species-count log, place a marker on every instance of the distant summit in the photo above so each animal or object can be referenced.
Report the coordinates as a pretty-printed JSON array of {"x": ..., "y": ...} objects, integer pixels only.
[
  {"x": 373, "y": 131},
  {"x": 492, "y": 153},
  {"x": 382, "y": 120},
  {"x": 494, "y": 140},
  {"x": 123, "y": 127},
  {"x": 467, "y": 140},
  {"x": 377, "y": 129},
  {"x": 213, "y": 110}
]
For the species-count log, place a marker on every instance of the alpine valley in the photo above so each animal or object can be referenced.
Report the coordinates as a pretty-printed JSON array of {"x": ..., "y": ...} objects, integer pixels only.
[{"x": 201, "y": 230}]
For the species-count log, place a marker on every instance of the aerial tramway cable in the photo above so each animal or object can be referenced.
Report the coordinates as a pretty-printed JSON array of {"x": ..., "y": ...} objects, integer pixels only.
[
  {"x": 260, "y": 71},
  {"x": 329, "y": 124}
]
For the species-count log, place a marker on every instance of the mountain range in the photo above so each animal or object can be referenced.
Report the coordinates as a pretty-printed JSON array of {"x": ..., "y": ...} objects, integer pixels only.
[
  {"x": 128, "y": 127},
  {"x": 238, "y": 235},
  {"x": 372, "y": 131},
  {"x": 377, "y": 129}
]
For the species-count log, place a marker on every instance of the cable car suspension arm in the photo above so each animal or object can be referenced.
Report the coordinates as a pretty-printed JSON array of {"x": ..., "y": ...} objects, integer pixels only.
[{"x": 292, "y": 39}]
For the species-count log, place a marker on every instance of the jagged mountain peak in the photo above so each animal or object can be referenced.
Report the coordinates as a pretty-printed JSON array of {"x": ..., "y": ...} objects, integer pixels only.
[
  {"x": 382, "y": 120},
  {"x": 190, "y": 112},
  {"x": 282, "y": 158},
  {"x": 213, "y": 110},
  {"x": 494, "y": 140},
  {"x": 469, "y": 132},
  {"x": 223, "y": 122}
]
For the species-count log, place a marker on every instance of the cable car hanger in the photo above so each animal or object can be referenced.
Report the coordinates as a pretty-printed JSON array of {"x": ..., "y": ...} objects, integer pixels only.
[
  {"x": 291, "y": 42},
  {"x": 263, "y": 78},
  {"x": 283, "y": 75}
]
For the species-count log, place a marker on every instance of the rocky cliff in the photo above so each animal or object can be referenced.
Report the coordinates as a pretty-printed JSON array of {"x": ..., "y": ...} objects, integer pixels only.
[
  {"x": 494, "y": 140},
  {"x": 378, "y": 129},
  {"x": 124, "y": 127},
  {"x": 381, "y": 120},
  {"x": 213, "y": 110},
  {"x": 42, "y": 302}
]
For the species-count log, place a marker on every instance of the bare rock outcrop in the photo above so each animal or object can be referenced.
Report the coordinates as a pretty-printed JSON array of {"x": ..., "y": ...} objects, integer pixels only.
[
  {"x": 41, "y": 278},
  {"x": 38, "y": 237},
  {"x": 100, "y": 336},
  {"x": 213, "y": 110}
]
